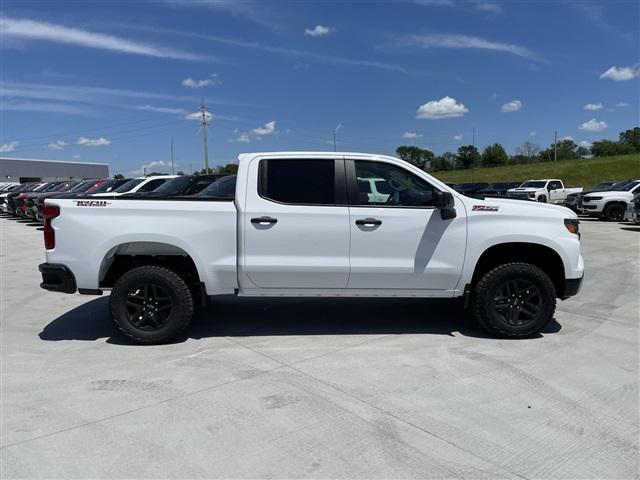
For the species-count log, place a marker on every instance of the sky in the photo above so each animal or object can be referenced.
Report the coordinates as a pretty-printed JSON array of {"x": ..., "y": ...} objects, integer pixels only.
[{"x": 116, "y": 81}]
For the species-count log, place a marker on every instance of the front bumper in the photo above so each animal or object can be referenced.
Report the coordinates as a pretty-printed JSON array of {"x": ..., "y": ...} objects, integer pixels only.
[
  {"x": 571, "y": 287},
  {"x": 57, "y": 278}
]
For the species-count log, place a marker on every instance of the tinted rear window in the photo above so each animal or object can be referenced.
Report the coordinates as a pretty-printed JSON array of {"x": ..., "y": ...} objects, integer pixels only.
[{"x": 298, "y": 182}]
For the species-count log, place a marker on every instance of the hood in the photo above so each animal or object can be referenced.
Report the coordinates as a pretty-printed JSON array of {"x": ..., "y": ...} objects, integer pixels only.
[
  {"x": 525, "y": 189},
  {"x": 512, "y": 206},
  {"x": 609, "y": 193}
]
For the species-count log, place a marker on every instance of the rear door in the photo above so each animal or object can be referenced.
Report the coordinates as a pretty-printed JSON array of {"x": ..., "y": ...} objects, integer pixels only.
[{"x": 296, "y": 224}]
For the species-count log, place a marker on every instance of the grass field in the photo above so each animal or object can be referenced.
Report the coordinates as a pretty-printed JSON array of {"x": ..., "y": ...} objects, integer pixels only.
[{"x": 574, "y": 173}]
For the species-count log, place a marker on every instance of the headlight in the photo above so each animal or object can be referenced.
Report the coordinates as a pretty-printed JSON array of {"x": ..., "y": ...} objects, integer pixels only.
[
  {"x": 532, "y": 194},
  {"x": 572, "y": 225},
  {"x": 590, "y": 199}
]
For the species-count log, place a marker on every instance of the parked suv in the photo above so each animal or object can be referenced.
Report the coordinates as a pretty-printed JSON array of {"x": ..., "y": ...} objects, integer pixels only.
[
  {"x": 139, "y": 184},
  {"x": 610, "y": 204}
]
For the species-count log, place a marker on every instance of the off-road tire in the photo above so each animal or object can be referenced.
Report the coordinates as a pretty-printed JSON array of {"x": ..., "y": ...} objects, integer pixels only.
[
  {"x": 614, "y": 212},
  {"x": 174, "y": 290},
  {"x": 485, "y": 292}
]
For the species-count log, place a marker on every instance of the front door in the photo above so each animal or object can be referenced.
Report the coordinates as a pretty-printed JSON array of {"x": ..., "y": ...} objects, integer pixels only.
[
  {"x": 398, "y": 239},
  {"x": 296, "y": 227}
]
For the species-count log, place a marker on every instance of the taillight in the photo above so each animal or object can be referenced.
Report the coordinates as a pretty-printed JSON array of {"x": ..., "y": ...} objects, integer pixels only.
[{"x": 48, "y": 213}]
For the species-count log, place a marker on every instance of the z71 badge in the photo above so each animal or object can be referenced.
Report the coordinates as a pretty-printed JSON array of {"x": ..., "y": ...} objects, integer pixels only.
[
  {"x": 92, "y": 203},
  {"x": 485, "y": 208}
]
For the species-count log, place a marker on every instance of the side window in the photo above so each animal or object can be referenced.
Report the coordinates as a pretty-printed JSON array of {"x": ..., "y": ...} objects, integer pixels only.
[
  {"x": 384, "y": 184},
  {"x": 554, "y": 185},
  {"x": 298, "y": 182},
  {"x": 152, "y": 185}
]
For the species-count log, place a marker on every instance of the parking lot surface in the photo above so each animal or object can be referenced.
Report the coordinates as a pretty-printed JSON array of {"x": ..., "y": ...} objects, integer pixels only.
[{"x": 321, "y": 388}]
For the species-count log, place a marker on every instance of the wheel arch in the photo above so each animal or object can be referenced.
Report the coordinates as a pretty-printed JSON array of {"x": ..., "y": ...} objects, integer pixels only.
[
  {"x": 129, "y": 255},
  {"x": 541, "y": 256}
]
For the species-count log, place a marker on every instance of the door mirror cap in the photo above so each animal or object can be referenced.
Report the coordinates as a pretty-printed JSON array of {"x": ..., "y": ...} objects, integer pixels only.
[{"x": 446, "y": 204}]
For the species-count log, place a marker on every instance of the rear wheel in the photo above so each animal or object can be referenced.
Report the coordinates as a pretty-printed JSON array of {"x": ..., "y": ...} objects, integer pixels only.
[
  {"x": 514, "y": 300},
  {"x": 151, "y": 304},
  {"x": 614, "y": 212}
]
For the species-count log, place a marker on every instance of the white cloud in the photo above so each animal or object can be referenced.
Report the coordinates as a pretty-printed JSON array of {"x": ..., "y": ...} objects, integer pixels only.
[
  {"x": 568, "y": 137},
  {"x": 268, "y": 128},
  {"x": 585, "y": 144},
  {"x": 151, "y": 108},
  {"x": 242, "y": 138},
  {"x": 436, "y": 3},
  {"x": 593, "y": 125},
  {"x": 444, "y": 40},
  {"x": 206, "y": 82},
  {"x": 154, "y": 166},
  {"x": 46, "y": 107},
  {"x": 57, "y": 145},
  {"x": 50, "y": 32},
  {"x": 318, "y": 31},
  {"x": 198, "y": 116},
  {"x": 594, "y": 106},
  {"x": 8, "y": 147},
  {"x": 411, "y": 135},
  {"x": 622, "y": 104},
  {"x": 512, "y": 106},
  {"x": 457, "y": 137},
  {"x": 489, "y": 7},
  {"x": 93, "y": 142},
  {"x": 620, "y": 74},
  {"x": 533, "y": 134},
  {"x": 257, "y": 133},
  {"x": 446, "y": 107}
]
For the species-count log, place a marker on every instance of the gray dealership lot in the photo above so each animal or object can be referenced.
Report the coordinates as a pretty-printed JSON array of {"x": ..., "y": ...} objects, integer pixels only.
[{"x": 322, "y": 388}]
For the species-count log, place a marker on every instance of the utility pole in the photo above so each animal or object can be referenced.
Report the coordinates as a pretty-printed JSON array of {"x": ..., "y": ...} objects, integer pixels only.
[
  {"x": 172, "y": 168},
  {"x": 555, "y": 147},
  {"x": 144, "y": 171},
  {"x": 334, "y": 135},
  {"x": 203, "y": 113}
]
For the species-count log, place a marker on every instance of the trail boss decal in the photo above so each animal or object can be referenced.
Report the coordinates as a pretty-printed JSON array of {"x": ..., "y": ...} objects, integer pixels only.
[
  {"x": 92, "y": 203},
  {"x": 485, "y": 208}
]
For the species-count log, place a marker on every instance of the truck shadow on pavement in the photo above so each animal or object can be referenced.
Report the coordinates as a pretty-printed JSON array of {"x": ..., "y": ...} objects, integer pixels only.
[{"x": 239, "y": 317}]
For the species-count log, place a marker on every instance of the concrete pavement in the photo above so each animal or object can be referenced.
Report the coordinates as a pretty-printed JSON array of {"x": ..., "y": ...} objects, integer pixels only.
[{"x": 306, "y": 388}]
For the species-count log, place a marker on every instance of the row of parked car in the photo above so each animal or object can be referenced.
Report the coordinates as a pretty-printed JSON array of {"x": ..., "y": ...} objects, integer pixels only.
[
  {"x": 610, "y": 200},
  {"x": 27, "y": 199}
]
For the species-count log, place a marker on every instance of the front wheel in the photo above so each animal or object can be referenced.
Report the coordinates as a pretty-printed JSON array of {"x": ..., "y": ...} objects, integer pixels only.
[
  {"x": 542, "y": 199},
  {"x": 515, "y": 300},
  {"x": 614, "y": 212},
  {"x": 151, "y": 304}
]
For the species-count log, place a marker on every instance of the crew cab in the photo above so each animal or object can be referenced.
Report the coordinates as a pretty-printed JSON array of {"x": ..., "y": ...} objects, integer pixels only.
[
  {"x": 304, "y": 224},
  {"x": 610, "y": 204},
  {"x": 550, "y": 190}
]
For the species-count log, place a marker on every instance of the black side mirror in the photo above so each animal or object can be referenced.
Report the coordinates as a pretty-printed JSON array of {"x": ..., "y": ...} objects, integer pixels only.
[{"x": 446, "y": 204}]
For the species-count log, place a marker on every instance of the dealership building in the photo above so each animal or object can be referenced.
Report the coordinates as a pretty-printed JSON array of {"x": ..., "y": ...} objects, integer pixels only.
[{"x": 32, "y": 170}]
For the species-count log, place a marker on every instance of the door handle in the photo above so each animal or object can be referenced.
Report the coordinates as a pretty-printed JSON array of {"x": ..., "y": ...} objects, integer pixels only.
[
  {"x": 368, "y": 222},
  {"x": 264, "y": 220}
]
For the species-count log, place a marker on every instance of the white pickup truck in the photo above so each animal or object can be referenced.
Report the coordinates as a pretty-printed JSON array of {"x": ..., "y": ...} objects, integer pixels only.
[
  {"x": 549, "y": 190},
  {"x": 307, "y": 224}
]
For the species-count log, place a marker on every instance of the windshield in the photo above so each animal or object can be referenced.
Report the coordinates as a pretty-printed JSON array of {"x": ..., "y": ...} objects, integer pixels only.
[
  {"x": 225, "y": 187},
  {"x": 618, "y": 185},
  {"x": 80, "y": 186},
  {"x": 501, "y": 185},
  {"x": 534, "y": 184},
  {"x": 603, "y": 186},
  {"x": 174, "y": 186},
  {"x": 629, "y": 186},
  {"x": 129, "y": 185}
]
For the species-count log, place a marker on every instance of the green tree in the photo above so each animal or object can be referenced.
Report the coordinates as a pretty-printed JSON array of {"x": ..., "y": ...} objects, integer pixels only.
[
  {"x": 468, "y": 156},
  {"x": 228, "y": 169},
  {"x": 415, "y": 155},
  {"x": 605, "y": 148},
  {"x": 631, "y": 137},
  {"x": 118, "y": 176},
  {"x": 494, "y": 156}
]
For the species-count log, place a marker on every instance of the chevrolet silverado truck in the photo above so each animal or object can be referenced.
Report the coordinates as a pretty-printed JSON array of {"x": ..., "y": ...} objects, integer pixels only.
[
  {"x": 304, "y": 224},
  {"x": 545, "y": 191}
]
